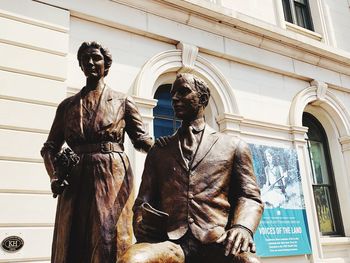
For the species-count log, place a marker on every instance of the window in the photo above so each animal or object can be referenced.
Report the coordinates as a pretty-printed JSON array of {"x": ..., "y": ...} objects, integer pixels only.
[
  {"x": 325, "y": 193},
  {"x": 298, "y": 12},
  {"x": 164, "y": 121}
]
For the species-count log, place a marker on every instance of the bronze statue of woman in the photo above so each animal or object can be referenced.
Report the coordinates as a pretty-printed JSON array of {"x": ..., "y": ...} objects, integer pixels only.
[{"x": 93, "y": 217}]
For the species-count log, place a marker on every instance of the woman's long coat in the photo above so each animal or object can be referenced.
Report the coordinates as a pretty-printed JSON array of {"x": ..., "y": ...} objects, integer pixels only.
[{"x": 93, "y": 218}]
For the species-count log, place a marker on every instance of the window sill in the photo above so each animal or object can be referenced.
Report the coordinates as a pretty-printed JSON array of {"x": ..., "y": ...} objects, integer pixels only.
[
  {"x": 303, "y": 31},
  {"x": 331, "y": 241}
]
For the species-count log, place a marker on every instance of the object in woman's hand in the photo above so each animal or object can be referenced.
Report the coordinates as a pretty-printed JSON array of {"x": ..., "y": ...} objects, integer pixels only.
[{"x": 64, "y": 163}]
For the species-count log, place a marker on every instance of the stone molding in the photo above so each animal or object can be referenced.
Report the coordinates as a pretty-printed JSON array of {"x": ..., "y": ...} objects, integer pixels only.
[
  {"x": 145, "y": 103},
  {"x": 229, "y": 123},
  {"x": 345, "y": 143},
  {"x": 318, "y": 94},
  {"x": 186, "y": 59}
]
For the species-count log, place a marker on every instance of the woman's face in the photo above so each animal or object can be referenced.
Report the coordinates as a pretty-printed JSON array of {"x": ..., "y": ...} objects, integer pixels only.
[{"x": 92, "y": 63}]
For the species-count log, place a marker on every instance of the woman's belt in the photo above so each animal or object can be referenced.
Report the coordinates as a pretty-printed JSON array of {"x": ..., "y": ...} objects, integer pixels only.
[{"x": 103, "y": 147}]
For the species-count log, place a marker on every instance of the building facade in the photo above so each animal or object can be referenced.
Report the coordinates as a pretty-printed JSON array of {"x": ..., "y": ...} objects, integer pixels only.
[{"x": 278, "y": 70}]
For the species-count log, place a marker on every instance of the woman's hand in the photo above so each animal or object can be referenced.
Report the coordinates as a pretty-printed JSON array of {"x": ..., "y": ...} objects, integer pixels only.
[{"x": 57, "y": 187}]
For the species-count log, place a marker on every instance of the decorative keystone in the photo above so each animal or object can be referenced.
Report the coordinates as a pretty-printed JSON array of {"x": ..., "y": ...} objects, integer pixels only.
[
  {"x": 189, "y": 57},
  {"x": 321, "y": 90}
]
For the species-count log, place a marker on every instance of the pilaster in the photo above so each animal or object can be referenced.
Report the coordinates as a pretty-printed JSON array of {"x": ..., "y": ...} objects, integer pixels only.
[{"x": 145, "y": 106}]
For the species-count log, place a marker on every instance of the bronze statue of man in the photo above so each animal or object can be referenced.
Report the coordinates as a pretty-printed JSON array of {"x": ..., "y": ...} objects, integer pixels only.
[{"x": 198, "y": 200}]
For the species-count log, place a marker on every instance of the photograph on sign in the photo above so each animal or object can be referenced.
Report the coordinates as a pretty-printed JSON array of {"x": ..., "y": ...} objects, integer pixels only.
[{"x": 283, "y": 229}]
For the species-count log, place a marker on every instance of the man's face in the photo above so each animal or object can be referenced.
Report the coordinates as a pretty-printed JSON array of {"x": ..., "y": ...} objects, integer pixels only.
[
  {"x": 185, "y": 99},
  {"x": 92, "y": 63},
  {"x": 268, "y": 157}
]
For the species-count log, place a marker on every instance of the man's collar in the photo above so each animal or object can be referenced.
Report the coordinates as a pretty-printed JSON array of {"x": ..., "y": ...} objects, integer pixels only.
[{"x": 197, "y": 125}]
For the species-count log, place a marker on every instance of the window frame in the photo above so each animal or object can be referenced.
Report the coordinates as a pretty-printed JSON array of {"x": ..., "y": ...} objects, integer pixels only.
[
  {"x": 331, "y": 184},
  {"x": 290, "y": 14}
]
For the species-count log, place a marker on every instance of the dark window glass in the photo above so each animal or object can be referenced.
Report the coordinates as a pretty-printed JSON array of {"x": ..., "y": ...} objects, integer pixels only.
[
  {"x": 164, "y": 122},
  {"x": 298, "y": 12},
  {"x": 287, "y": 11},
  {"x": 302, "y": 14},
  {"x": 325, "y": 193}
]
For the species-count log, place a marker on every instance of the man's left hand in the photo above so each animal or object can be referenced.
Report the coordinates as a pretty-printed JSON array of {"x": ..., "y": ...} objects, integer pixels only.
[{"x": 237, "y": 240}]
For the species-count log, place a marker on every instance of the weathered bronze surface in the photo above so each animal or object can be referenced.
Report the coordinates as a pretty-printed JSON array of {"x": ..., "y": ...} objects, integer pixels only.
[
  {"x": 198, "y": 200},
  {"x": 94, "y": 217}
]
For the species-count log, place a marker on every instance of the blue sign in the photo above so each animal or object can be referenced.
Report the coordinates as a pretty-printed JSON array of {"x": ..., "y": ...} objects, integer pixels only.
[{"x": 283, "y": 230}]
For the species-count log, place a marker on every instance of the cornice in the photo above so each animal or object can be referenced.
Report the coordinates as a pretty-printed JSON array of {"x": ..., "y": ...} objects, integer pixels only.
[
  {"x": 231, "y": 35},
  {"x": 257, "y": 27},
  {"x": 237, "y": 26}
]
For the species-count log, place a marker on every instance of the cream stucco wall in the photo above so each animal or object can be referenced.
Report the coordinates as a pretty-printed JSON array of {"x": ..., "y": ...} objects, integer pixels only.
[
  {"x": 338, "y": 14},
  {"x": 33, "y": 48}
]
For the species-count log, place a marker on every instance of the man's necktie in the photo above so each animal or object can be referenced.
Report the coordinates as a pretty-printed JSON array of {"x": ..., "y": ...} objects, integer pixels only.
[{"x": 189, "y": 143}]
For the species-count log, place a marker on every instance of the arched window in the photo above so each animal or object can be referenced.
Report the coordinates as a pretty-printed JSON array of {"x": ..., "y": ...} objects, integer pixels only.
[
  {"x": 325, "y": 193},
  {"x": 164, "y": 121}
]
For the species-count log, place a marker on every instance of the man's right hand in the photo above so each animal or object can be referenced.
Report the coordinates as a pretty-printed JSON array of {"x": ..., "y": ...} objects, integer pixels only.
[
  {"x": 236, "y": 241},
  {"x": 163, "y": 141}
]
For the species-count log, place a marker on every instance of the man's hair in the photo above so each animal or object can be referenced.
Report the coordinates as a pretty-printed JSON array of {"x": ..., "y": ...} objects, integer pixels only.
[
  {"x": 104, "y": 51},
  {"x": 200, "y": 85}
]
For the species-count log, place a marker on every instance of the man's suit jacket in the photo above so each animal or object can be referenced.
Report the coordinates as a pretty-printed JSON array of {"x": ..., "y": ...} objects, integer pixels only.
[{"x": 216, "y": 192}]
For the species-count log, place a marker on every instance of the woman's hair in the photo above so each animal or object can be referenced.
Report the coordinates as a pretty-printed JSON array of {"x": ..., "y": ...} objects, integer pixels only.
[{"x": 104, "y": 51}]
